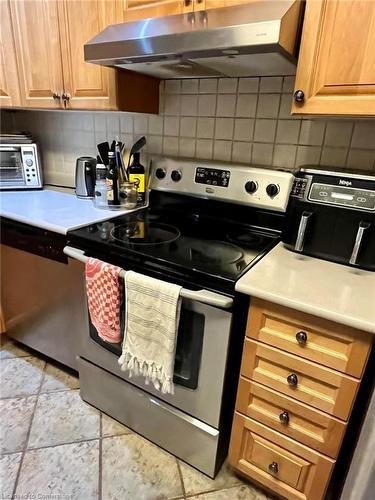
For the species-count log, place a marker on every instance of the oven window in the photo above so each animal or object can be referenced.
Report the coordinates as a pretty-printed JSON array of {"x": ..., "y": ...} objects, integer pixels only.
[
  {"x": 11, "y": 171},
  {"x": 188, "y": 350}
]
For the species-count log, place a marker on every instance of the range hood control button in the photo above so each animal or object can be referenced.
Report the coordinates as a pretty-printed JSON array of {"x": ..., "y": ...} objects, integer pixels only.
[
  {"x": 176, "y": 175},
  {"x": 251, "y": 187},
  {"x": 160, "y": 173},
  {"x": 272, "y": 190}
]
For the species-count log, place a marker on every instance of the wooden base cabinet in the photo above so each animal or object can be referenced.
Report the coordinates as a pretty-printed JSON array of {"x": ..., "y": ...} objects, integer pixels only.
[
  {"x": 279, "y": 463},
  {"x": 298, "y": 383}
]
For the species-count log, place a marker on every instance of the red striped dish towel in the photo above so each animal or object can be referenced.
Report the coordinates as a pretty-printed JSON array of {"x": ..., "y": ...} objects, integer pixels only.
[{"x": 104, "y": 294}]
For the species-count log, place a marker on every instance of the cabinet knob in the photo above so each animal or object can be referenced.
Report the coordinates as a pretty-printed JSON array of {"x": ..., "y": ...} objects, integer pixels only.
[
  {"x": 65, "y": 97},
  {"x": 292, "y": 379},
  {"x": 301, "y": 338},
  {"x": 299, "y": 96},
  {"x": 56, "y": 96},
  {"x": 284, "y": 417},
  {"x": 187, "y": 3},
  {"x": 274, "y": 468}
]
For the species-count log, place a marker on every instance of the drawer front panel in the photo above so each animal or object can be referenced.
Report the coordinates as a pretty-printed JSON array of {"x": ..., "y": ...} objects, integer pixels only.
[
  {"x": 279, "y": 463},
  {"x": 320, "y": 387},
  {"x": 325, "y": 342},
  {"x": 298, "y": 421}
]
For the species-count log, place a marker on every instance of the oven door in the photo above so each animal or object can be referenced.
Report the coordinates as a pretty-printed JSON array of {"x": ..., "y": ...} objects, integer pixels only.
[
  {"x": 201, "y": 357},
  {"x": 12, "y": 174}
]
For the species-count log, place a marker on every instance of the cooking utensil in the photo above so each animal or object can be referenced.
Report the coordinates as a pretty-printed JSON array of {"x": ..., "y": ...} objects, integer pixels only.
[
  {"x": 103, "y": 149},
  {"x": 137, "y": 146},
  {"x": 119, "y": 162}
]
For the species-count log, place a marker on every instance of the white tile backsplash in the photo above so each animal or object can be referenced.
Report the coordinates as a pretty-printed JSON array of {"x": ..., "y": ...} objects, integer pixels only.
[
  {"x": 208, "y": 86},
  {"x": 223, "y": 150},
  {"x": 189, "y": 86},
  {"x": 207, "y": 105},
  {"x": 268, "y": 105},
  {"x": 265, "y": 130},
  {"x": 226, "y": 105},
  {"x": 364, "y": 135},
  {"x": 248, "y": 85},
  {"x": 205, "y": 128},
  {"x": 246, "y": 105},
  {"x": 227, "y": 85},
  {"x": 243, "y": 129},
  {"x": 188, "y": 126},
  {"x": 189, "y": 105},
  {"x": 271, "y": 84},
  {"x": 244, "y": 120},
  {"x": 172, "y": 125},
  {"x": 224, "y": 128},
  {"x": 288, "y": 131}
]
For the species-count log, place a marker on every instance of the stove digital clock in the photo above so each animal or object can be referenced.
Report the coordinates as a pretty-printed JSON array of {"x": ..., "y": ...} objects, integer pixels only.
[{"x": 212, "y": 176}]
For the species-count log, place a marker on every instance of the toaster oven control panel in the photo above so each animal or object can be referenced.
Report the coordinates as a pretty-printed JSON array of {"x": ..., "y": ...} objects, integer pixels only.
[{"x": 348, "y": 197}]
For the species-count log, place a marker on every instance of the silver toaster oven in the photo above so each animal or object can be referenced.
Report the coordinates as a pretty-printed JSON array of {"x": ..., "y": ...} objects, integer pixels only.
[{"x": 20, "y": 166}]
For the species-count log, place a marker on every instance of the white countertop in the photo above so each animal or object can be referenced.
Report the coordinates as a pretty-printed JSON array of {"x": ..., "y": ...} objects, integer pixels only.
[
  {"x": 328, "y": 290},
  {"x": 52, "y": 210}
]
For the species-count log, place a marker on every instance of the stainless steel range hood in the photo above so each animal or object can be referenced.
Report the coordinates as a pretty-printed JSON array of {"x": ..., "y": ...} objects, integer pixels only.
[{"x": 259, "y": 38}]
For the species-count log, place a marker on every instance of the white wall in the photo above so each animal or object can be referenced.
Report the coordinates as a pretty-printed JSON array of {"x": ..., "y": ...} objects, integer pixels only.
[{"x": 243, "y": 120}]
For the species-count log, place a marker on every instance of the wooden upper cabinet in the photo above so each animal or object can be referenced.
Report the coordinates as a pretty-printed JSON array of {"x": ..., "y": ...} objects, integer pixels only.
[
  {"x": 37, "y": 41},
  {"x": 86, "y": 85},
  {"x": 9, "y": 85},
  {"x": 142, "y": 9},
  {"x": 136, "y": 10},
  {"x": 215, "y": 4},
  {"x": 336, "y": 67}
]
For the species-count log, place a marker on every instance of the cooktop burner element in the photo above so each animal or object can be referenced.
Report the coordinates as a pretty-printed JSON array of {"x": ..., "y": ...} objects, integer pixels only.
[
  {"x": 244, "y": 238},
  {"x": 214, "y": 252},
  {"x": 145, "y": 233}
]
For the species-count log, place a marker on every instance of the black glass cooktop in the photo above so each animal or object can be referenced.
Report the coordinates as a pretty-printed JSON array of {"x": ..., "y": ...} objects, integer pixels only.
[{"x": 189, "y": 241}]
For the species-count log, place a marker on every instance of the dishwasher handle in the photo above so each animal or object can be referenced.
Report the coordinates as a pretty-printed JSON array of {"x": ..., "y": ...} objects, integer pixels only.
[{"x": 204, "y": 296}]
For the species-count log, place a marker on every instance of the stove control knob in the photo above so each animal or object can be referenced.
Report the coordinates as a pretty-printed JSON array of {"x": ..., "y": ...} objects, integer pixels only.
[
  {"x": 160, "y": 173},
  {"x": 176, "y": 175},
  {"x": 272, "y": 190},
  {"x": 251, "y": 187}
]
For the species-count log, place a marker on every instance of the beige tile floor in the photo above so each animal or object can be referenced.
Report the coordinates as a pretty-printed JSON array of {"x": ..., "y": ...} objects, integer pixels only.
[{"x": 55, "y": 446}]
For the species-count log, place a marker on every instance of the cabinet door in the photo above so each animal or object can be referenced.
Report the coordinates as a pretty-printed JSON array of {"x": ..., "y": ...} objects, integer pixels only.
[
  {"x": 336, "y": 67},
  {"x": 37, "y": 40},
  {"x": 86, "y": 85},
  {"x": 215, "y": 4},
  {"x": 143, "y": 9},
  {"x": 9, "y": 88}
]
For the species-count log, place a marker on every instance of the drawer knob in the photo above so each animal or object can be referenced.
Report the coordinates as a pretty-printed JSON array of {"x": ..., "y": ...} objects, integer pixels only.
[
  {"x": 292, "y": 379},
  {"x": 284, "y": 417},
  {"x": 274, "y": 468},
  {"x": 301, "y": 338}
]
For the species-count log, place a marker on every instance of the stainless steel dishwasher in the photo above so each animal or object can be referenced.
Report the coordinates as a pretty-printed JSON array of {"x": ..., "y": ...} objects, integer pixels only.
[{"x": 42, "y": 293}]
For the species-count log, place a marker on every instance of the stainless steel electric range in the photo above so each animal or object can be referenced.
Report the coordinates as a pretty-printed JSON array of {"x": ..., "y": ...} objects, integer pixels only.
[{"x": 206, "y": 224}]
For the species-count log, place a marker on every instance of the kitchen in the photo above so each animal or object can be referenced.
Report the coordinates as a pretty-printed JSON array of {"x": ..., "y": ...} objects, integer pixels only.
[{"x": 258, "y": 211}]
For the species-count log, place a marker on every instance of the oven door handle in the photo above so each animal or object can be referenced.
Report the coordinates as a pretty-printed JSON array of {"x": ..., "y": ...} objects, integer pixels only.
[{"x": 204, "y": 296}]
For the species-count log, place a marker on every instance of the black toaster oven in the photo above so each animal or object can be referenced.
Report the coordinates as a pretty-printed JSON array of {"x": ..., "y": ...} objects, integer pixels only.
[{"x": 331, "y": 215}]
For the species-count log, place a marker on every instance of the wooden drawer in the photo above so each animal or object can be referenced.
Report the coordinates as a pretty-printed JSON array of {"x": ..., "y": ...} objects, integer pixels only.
[
  {"x": 300, "y": 473},
  {"x": 321, "y": 387},
  {"x": 330, "y": 344},
  {"x": 301, "y": 422}
]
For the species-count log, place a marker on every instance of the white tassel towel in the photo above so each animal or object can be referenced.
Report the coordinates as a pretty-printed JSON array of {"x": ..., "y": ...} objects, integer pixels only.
[{"x": 152, "y": 311}]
